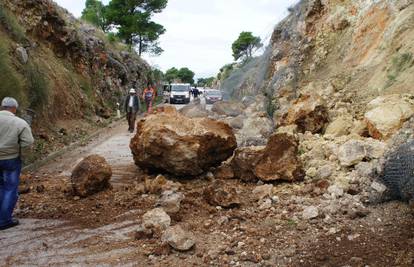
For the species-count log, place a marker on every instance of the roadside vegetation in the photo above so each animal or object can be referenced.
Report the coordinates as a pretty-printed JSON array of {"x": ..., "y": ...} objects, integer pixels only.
[{"x": 129, "y": 22}]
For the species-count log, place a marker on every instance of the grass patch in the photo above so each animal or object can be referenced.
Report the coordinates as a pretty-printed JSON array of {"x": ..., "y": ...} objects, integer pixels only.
[
  {"x": 9, "y": 21},
  {"x": 12, "y": 83},
  {"x": 38, "y": 87},
  {"x": 399, "y": 64}
]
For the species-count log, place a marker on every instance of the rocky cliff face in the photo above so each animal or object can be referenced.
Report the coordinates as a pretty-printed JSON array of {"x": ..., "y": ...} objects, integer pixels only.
[
  {"x": 346, "y": 52},
  {"x": 83, "y": 70},
  {"x": 339, "y": 77},
  {"x": 63, "y": 69}
]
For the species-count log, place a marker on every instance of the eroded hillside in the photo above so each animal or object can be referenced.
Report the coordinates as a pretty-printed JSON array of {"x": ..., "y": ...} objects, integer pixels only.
[
  {"x": 347, "y": 52},
  {"x": 65, "y": 71}
]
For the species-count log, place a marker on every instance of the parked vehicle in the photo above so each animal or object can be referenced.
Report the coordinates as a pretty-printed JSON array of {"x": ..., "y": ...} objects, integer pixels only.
[
  {"x": 180, "y": 93},
  {"x": 213, "y": 96}
]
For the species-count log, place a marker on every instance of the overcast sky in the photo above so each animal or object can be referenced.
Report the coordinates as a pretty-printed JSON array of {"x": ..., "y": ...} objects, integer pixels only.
[{"x": 200, "y": 33}]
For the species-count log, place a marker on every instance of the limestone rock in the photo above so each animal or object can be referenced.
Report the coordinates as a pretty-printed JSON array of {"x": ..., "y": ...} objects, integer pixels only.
[
  {"x": 179, "y": 145},
  {"x": 156, "y": 219},
  {"x": 178, "y": 239},
  {"x": 340, "y": 126},
  {"x": 351, "y": 153},
  {"x": 232, "y": 109},
  {"x": 308, "y": 113},
  {"x": 219, "y": 194},
  {"x": 280, "y": 160},
  {"x": 22, "y": 55},
  {"x": 257, "y": 125},
  {"x": 387, "y": 114},
  {"x": 310, "y": 213},
  {"x": 170, "y": 201},
  {"x": 245, "y": 160},
  {"x": 91, "y": 176},
  {"x": 236, "y": 122}
]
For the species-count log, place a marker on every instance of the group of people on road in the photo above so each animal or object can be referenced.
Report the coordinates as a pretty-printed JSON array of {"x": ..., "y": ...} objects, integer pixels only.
[{"x": 132, "y": 104}]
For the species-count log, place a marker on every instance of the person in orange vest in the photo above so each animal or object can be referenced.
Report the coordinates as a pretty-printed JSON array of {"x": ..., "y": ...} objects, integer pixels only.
[{"x": 149, "y": 96}]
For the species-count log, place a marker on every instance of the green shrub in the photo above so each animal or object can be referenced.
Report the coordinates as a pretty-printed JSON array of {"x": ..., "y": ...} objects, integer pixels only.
[
  {"x": 11, "y": 82},
  {"x": 38, "y": 87},
  {"x": 399, "y": 64},
  {"x": 9, "y": 21},
  {"x": 112, "y": 38}
]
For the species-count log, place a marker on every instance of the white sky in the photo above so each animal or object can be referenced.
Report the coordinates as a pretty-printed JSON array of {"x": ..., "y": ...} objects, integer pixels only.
[{"x": 200, "y": 33}]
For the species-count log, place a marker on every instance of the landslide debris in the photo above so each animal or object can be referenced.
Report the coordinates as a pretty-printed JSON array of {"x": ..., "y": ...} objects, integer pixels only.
[{"x": 173, "y": 143}]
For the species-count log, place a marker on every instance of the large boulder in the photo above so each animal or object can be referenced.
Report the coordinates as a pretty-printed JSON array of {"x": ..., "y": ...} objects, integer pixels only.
[
  {"x": 232, "y": 109},
  {"x": 180, "y": 145},
  {"x": 280, "y": 160},
  {"x": 309, "y": 113},
  {"x": 386, "y": 115},
  {"x": 245, "y": 160},
  {"x": 91, "y": 176}
]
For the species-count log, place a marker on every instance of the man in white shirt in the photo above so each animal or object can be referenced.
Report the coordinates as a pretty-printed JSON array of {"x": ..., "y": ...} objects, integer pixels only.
[{"x": 15, "y": 134}]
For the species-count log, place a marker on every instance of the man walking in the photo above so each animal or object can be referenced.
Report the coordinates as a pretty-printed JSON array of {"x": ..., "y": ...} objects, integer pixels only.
[
  {"x": 148, "y": 96},
  {"x": 15, "y": 134},
  {"x": 131, "y": 109}
]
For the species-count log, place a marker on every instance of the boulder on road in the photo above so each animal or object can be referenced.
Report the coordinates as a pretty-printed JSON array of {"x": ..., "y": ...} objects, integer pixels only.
[
  {"x": 309, "y": 113},
  {"x": 280, "y": 160},
  {"x": 387, "y": 114},
  {"x": 91, "y": 176},
  {"x": 232, "y": 109},
  {"x": 178, "y": 239},
  {"x": 245, "y": 160},
  {"x": 180, "y": 145}
]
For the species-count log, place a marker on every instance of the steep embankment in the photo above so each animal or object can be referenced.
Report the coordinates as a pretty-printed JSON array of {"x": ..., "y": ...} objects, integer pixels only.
[
  {"x": 64, "y": 70},
  {"x": 348, "y": 52}
]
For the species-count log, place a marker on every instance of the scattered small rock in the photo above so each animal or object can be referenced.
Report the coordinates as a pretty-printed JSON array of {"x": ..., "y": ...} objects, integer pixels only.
[
  {"x": 310, "y": 212},
  {"x": 156, "y": 219},
  {"x": 177, "y": 238}
]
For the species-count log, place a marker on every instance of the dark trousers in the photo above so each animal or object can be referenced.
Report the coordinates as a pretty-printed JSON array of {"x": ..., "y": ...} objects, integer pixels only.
[
  {"x": 131, "y": 117},
  {"x": 9, "y": 183}
]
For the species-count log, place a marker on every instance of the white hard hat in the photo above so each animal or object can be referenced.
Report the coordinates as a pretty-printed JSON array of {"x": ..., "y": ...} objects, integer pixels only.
[
  {"x": 132, "y": 91},
  {"x": 9, "y": 102}
]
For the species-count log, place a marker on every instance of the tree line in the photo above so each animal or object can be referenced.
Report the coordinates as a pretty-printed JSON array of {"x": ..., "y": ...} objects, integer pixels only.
[{"x": 130, "y": 21}]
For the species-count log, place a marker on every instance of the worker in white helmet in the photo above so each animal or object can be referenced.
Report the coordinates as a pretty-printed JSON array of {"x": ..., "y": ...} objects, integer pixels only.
[{"x": 131, "y": 108}]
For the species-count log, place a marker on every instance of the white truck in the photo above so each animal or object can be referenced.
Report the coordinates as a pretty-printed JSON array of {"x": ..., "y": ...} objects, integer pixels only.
[{"x": 178, "y": 93}]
